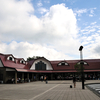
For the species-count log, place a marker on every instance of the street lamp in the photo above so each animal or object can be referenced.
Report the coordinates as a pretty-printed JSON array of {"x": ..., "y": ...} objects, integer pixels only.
[{"x": 81, "y": 58}]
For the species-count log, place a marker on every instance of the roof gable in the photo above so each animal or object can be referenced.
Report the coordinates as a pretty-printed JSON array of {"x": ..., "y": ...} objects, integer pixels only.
[{"x": 43, "y": 60}]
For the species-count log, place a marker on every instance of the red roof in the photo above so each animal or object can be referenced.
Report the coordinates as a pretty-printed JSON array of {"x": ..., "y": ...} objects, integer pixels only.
[
  {"x": 93, "y": 65},
  {"x": 13, "y": 64}
]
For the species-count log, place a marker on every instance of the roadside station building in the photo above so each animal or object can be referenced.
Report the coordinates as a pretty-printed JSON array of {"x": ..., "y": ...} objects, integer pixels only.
[{"x": 19, "y": 69}]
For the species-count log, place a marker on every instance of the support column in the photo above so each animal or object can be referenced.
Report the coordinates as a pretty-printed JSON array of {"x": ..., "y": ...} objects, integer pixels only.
[
  {"x": 15, "y": 77},
  {"x": 51, "y": 76},
  {"x": 27, "y": 76},
  {"x": 4, "y": 76},
  {"x": 94, "y": 76},
  {"x": 62, "y": 76},
  {"x": 32, "y": 76},
  {"x": 73, "y": 73},
  {"x": 94, "y": 73},
  {"x": 22, "y": 77},
  {"x": 36, "y": 77}
]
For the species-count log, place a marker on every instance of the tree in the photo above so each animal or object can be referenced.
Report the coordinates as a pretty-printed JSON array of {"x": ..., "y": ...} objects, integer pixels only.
[
  {"x": 32, "y": 58},
  {"x": 79, "y": 67}
]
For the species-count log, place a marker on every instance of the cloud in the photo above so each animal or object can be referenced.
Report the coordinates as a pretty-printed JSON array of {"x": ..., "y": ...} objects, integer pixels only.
[
  {"x": 58, "y": 21},
  {"x": 51, "y": 35},
  {"x": 14, "y": 18},
  {"x": 25, "y": 49},
  {"x": 92, "y": 50},
  {"x": 93, "y": 23},
  {"x": 39, "y": 4},
  {"x": 46, "y": 1},
  {"x": 42, "y": 10},
  {"x": 56, "y": 27},
  {"x": 54, "y": 35},
  {"x": 89, "y": 34},
  {"x": 90, "y": 39},
  {"x": 89, "y": 12},
  {"x": 81, "y": 11},
  {"x": 92, "y": 12}
]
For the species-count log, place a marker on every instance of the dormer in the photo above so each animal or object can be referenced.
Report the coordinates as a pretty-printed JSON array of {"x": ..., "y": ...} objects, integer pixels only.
[
  {"x": 84, "y": 63},
  {"x": 22, "y": 61},
  {"x": 63, "y": 63},
  {"x": 11, "y": 58}
]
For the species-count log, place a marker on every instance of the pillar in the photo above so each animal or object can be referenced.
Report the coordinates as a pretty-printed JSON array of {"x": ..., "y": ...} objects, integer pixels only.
[
  {"x": 22, "y": 77},
  {"x": 36, "y": 77},
  {"x": 27, "y": 75},
  {"x": 4, "y": 75},
  {"x": 15, "y": 77},
  {"x": 51, "y": 76},
  {"x": 32, "y": 77},
  {"x": 62, "y": 75}
]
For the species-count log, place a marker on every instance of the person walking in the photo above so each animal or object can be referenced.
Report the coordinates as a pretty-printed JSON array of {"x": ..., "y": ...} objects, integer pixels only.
[
  {"x": 41, "y": 78},
  {"x": 74, "y": 81},
  {"x": 45, "y": 79}
]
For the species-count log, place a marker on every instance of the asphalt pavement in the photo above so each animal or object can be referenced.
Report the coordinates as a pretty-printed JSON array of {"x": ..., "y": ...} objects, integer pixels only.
[{"x": 95, "y": 88}]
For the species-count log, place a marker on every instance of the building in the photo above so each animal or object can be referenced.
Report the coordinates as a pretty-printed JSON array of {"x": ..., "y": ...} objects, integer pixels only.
[{"x": 16, "y": 69}]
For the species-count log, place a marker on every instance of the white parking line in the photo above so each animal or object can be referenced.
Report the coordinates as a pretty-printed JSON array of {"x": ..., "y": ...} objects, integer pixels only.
[
  {"x": 97, "y": 89},
  {"x": 45, "y": 92}
]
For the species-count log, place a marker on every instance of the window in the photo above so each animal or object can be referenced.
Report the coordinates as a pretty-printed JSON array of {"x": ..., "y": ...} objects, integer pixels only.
[
  {"x": 40, "y": 66},
  {"x": 22, "y": 61},
  {"x": 84, "y": 63},
  {"x": 10, "y": 58},
  {"x": 62, "y": 64}
]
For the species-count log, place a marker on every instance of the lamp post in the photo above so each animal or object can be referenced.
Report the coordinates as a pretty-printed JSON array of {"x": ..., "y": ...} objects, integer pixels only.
[{"x": 82, "y": 70}]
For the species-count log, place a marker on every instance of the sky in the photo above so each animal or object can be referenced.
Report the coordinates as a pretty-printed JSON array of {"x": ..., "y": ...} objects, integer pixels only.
[{"x": 54, "y": 29}]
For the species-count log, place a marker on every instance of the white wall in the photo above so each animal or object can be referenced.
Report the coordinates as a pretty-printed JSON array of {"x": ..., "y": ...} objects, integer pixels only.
[
  {"x": 1, "y": 65},
  {"x": 48, "y": 65}
]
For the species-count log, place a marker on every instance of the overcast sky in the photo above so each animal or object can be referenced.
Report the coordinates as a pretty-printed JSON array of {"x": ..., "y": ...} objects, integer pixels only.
[{"x": 54, "y": 29}]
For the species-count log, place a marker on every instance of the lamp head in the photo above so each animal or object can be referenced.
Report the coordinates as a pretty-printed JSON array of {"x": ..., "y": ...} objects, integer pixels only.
[{"x": 81, "y": 47}]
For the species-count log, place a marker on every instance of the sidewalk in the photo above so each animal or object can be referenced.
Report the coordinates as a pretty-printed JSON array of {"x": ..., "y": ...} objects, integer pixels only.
[
  {"x": 64, "y": 92},
  {"x": 54, "y": 90}
]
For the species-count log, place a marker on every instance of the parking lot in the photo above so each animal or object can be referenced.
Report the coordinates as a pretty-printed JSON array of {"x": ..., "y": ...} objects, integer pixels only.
[{"x": 54, "y": 90}]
